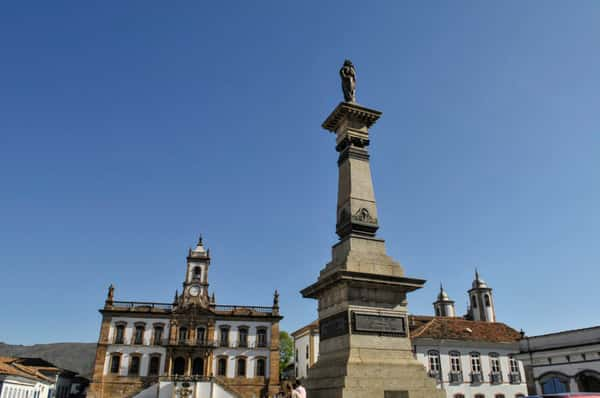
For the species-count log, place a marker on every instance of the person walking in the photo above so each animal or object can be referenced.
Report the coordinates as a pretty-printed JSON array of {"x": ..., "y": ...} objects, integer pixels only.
[
  {"x": 295, "y": 393},
  {"x": 300, "y": 389}
]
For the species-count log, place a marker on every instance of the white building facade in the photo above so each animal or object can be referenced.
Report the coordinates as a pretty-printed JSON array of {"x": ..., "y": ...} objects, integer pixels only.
[
  {"x": 567, "y": 361},
  {"x": 472, "y": 369},
  {"x": 306, "y": 349},
  {"x": 14, "y": 387}
]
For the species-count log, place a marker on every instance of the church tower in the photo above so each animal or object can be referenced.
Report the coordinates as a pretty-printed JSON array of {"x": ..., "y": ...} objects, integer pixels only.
[
  {"x": 444, "y": 306},
  {"x": 481, "y": 301},
  {"x": 195, "y": 286}
]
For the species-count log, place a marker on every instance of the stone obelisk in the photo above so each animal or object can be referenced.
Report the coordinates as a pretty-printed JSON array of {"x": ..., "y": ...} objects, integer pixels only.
[{"x": 364, "y": 348}]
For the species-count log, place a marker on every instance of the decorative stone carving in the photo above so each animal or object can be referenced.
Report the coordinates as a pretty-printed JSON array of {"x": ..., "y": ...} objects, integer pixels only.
[{"x": 363, "y": 215}]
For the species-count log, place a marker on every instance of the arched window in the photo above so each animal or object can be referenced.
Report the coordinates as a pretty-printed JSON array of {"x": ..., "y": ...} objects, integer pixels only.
[
  {"x": 261, "y": 337},
  {"x": 243, "y": 336},
  {"x": 519, "y": 396},
  {"x": 115, "y": 363},
  {"x": 437, "y": 311},
  {"x": 554, "y": 383},
  {"x": 474, "y": 301},
  {"x": 183, "y": 335},
  {"x": 486, "y": 298},
  {"x": 222, "y": 366},
  {"x": 197, "y": 272},
  {"x": 134, "y": 365},
  {"x": 198, "y": 367},
  {"x": 260, "y": 367},
  {"x": 499, "y": 396},
  {"x": 241, "y": 367},
  {"x": 479, "y": 396},
  {"x": 434, "y": 363},
  {"x": 588, "y": 381},
  {"x": 179, "y": 366},
  {"x": 154, "y": 367},
  {"x": 459, "y": 396}
]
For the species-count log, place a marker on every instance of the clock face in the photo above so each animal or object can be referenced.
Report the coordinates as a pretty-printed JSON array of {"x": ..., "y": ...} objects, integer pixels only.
[{"x": 194, "y": 291}]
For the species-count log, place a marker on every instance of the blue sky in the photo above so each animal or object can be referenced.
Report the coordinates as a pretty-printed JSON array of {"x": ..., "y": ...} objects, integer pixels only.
[{"x": 128, "y": 128}]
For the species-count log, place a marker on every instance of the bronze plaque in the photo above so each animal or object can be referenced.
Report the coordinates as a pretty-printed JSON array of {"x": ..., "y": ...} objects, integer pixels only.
[
  {"x": 333, "y": 326},
  {"x": 395, "y": 394},
  {"x": 380, "y": 324}
]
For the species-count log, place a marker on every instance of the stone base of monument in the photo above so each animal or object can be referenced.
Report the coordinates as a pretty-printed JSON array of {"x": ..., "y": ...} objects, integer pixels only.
[
  {"x": 382, "y": 373},
  {"x": 364, "y": 347}
]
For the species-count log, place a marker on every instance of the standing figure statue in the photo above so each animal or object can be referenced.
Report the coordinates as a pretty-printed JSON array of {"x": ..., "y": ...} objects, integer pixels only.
[{"x": 348, "y": 75}]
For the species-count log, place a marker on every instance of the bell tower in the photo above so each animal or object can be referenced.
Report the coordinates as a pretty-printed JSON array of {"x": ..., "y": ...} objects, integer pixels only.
[
  {"x": 481, "y": 307},
  {"x": 443, "y": 306},
  {"x": 195, "y": 286}
]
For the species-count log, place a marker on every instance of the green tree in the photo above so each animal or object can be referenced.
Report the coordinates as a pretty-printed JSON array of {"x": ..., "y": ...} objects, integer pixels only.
[{"x": 286, "y": 350}]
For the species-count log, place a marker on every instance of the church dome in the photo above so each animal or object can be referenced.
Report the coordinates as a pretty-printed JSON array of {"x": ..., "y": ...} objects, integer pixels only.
[
  {"x": 478, "y": 282},
  {"x": 443, "y": 296}
]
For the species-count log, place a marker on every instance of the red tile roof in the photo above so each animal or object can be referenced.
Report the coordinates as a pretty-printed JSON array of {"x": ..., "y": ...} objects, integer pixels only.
[
  {"x": 461, "y": 329},
  {"x": 11, "y": 366}
]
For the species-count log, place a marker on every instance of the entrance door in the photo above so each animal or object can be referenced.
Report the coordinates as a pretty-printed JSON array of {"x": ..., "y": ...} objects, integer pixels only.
[
  {"x": 198, "y": 367},
  {"x": 179, "y": 366}
]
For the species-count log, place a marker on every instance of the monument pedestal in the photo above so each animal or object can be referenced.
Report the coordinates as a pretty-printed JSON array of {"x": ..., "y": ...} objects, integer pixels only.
[{"x": 364, "y": 342}]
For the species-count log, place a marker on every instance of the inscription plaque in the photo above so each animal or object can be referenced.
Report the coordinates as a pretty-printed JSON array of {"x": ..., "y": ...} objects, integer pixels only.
[
  {"x": 333, "y": 326},
  {"x": 395, "y": 394},
  {"x": 380, "y": 324}
]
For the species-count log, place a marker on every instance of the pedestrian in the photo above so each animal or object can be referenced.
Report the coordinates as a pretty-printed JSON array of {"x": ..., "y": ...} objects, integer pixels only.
[{"x": 300, "y": 389}]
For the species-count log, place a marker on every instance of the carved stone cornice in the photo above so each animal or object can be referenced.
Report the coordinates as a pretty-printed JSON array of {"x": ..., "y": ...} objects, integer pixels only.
[{"x": 347, "y": 110}]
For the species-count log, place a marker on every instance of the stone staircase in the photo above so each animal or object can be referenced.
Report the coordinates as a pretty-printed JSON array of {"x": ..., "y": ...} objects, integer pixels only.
[{"x": 187, "y": 389}]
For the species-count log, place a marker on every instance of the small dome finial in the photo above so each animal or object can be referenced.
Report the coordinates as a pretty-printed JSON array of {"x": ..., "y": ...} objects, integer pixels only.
[
  {"x": 443, "y": 296},
  {"x": 200, "y": 240}
]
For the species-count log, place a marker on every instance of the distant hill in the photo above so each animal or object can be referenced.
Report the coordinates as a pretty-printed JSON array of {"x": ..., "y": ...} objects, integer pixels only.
[{"x": 78, "y": 357}]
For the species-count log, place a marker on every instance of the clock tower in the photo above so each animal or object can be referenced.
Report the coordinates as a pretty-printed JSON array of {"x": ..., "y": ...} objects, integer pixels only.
[{"x": 195, "y": 286}]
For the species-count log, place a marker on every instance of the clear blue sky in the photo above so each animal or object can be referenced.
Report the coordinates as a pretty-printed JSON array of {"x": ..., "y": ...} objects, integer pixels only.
[{"x": 127, "y": 128}]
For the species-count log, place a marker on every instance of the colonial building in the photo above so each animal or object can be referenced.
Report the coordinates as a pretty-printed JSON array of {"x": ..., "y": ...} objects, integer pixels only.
[
  {"x": 468, "y": 357},
  {"x": 187, "y": 347},
  {"x": 17, "y": 380},
  {"x": 567, "y": 361},
  {"x": 306, "y": 349},
  {"x": 36, "y": 378}
]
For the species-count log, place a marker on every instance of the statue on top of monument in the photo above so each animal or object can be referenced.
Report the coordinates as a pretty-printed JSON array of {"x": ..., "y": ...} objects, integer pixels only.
[{"x": 348, "y": 75}]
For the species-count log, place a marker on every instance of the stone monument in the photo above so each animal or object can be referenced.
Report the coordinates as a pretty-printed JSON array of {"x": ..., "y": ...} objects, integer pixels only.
[{"x": 365, "y": 348}]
